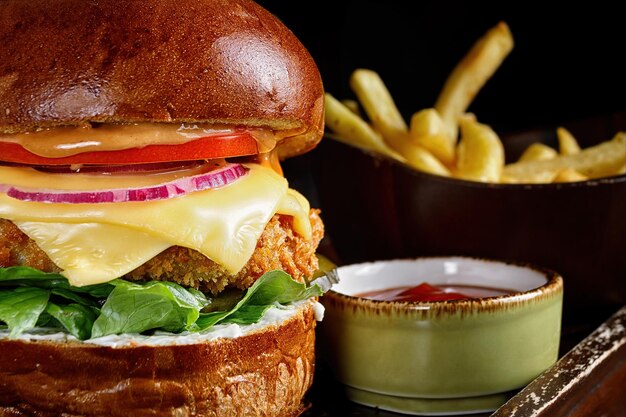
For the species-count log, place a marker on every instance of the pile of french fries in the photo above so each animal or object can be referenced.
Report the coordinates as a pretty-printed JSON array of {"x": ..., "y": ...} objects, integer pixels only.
[{"x": 446, "y": 140}]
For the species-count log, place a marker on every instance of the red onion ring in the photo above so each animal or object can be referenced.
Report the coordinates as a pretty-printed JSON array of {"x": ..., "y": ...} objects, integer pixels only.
[{"x": 204, "y": 181}]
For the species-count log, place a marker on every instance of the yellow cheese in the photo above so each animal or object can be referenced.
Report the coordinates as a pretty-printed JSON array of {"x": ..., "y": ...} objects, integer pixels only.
[
  {"x": 99, "y": 242},
  {"x": 294, "y": 204},
  {"x": 90, "y": 253}
]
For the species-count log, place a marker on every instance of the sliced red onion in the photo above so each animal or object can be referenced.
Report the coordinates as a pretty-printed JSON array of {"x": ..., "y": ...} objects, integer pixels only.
[
  {"x": 126, "y": 169},
  {"x": 177, "y": 187}
]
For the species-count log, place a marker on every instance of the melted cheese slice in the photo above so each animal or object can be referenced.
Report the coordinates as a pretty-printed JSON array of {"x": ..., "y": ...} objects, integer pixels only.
[{"x": 96, "y": 243}]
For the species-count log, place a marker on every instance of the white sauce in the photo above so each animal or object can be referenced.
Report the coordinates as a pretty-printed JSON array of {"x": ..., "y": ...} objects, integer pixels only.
[{"x": 273, "y": 316}]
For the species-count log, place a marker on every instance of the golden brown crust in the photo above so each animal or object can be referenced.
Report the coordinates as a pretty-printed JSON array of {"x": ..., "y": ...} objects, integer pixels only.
[
  {"x": 278, "y": 248},
  {"x": 262, "y": 374},
  {"x": 64, "y": 62},
  {"x": 18, "y": 249}
]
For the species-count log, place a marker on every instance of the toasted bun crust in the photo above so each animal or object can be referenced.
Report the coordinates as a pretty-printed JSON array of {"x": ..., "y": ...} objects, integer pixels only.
[
  {"x": 66, "y": 62},
  {"x": 262, "y": 374}
]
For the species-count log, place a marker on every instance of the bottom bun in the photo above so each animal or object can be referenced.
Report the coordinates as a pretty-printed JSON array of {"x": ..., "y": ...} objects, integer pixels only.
[{"x": 263, "y": 373}]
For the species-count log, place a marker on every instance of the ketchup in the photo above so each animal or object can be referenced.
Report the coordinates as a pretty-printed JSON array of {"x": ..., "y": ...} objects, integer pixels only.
[{"x": 428, "y": 292}]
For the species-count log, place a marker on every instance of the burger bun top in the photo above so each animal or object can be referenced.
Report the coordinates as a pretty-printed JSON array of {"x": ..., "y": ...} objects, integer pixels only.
[{"x": 70, "y": 62}]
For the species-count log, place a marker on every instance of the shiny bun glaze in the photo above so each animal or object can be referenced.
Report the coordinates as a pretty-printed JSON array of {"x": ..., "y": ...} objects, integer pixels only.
[{"x": 66, "y": 62}]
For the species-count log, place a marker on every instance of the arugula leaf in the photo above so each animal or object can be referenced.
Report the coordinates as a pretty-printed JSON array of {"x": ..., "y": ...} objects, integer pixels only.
[
  {"x": 20, "y": 308},
  {"x": 77, "y": 319},
  {"x": 136, "y": 308}
]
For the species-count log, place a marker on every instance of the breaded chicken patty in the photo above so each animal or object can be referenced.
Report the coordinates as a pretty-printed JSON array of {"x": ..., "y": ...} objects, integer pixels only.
[{"x": 278, "y": 248}]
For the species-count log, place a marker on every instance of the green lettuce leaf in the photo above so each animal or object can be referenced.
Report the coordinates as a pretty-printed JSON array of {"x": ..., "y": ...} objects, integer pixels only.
[
  {"x": 79, "y": 298},
  {"x": 274, "y": 287},
  {"x": 20, "y": 308},
  {"x": 22, "y": 276},
  {"x": 30, "y": 298},
  {"x": 77, "y": 319},
  {"x": 136, "y": 308},
  {"x": 247, "y": 314}
]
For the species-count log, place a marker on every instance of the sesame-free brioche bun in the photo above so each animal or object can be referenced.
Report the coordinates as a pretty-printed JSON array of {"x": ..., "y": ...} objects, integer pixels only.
[
  {"x": 67, "y": 62},
  {"x": 264, "y": 373}
]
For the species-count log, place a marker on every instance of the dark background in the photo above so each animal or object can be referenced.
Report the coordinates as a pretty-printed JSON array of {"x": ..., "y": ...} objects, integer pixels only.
[
  {"x": 566, "y": 63},
  {"x": 566, "y": 67}
]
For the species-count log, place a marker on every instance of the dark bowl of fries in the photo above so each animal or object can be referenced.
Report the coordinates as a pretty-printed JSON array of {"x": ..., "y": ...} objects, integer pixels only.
[
  {"x": 447, "y": 184},
  {"x": 377, "y": 208}
]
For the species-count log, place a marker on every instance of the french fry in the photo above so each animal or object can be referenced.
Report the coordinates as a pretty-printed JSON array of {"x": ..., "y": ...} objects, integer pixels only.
[
  {"x": 568, "y": 145},
  {"x": 569, "y": 175},
  {"x": 471, "y": 73},
  {"x": 541, "y": 177},
  {"x": 422, "y": 160},
  {"x": 480, "y": 154},
  {"x": 416, "y": 156},
  {"x": 538, "y": 152},
  {"x": 378, "y": 103},
  {"x": 385, "y": 117},
  {"x": 353, "y": 105},
  {"x": 429, "y": 131},
  {"x": 430, "y": 143},
  {"x": 353, "y": 130},
  {"x": 596, "y": 161}
]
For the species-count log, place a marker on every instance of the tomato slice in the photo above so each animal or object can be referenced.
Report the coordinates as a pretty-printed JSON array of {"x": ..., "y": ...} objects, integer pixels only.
[{"x": 223, "y": 145}]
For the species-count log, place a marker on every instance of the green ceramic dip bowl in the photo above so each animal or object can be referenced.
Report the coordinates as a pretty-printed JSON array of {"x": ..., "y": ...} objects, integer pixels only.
[{"x": 441, "y": 357}]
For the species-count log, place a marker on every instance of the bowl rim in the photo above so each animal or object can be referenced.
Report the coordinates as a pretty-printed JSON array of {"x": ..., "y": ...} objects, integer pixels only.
[
  {"x": 551, "y": 288},
  {"x": 592, "y": 182}
]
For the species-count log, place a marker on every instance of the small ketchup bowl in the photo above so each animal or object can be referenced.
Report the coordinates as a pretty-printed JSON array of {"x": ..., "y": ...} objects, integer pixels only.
[{"x": 396, "y": 342}]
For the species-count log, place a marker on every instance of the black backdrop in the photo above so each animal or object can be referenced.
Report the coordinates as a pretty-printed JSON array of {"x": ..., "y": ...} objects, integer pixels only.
[{"x": 566, "y": 63}]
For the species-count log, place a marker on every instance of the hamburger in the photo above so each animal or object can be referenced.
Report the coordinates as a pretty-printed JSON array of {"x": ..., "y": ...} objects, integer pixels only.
[{"x": 153, "y": 259}]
